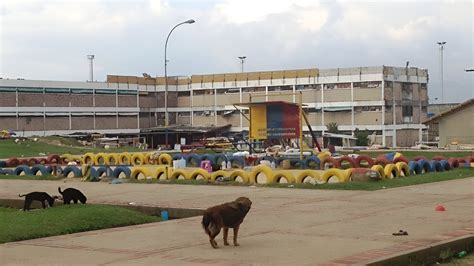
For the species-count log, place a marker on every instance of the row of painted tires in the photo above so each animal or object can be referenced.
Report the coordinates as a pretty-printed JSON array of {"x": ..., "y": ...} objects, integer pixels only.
[
  {"x": 14, "y": 162},
  {"x": 400, "y": 169},
  {"x": 40, "y": 169}
]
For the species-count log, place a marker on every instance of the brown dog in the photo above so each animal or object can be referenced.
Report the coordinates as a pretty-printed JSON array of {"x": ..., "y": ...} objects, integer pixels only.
[{"x": 227, "y": 215}]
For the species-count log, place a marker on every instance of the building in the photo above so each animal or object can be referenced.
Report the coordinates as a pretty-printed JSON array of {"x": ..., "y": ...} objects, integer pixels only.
[
  {"x": 454, "y": 126},
  {"x": 388, "y": 101}
]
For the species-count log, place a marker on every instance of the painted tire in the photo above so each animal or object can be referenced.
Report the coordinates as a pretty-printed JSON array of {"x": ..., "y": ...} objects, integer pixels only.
[
  {"x": 403, "y": 169},
  {"x": 341, "y": 175},
  {"x": 439, "y": 158},
  {"x": 199, "y": 172},
  {"x": 72, "y": 169},
  {"x": 178, "y": 156},
  {"x": 330, "y": 162},
  {"x": 219, "y": 173},
  {"x": 100, "y": 172},
  {"x": 22, "y": 170},
  {"x": 89, "y": 158},
  {"x": 364, "y": 158},
  {"x": 391, "y": 171},
  {"x": 280, "y": 174},
  {"x": 32, "y": 161},
  {"x": 140, "y": 173},
  {"x": 23, "y": 161},
  {"x": 121, "y": 172},
  {"x": 348, "y": 159},
  {"x": 453, "y": 163},
  {"x": 160, "y": 173},
  {"x": 12, "y": 162},
  {"x": 469, "y": 159},
  {"x": 39, "y": 169},
  {"x": 414, "y": 168},
  {"x": 219, "y": 158},
  {"x": 419, "y": 157},
  {"x": 165, "y": 159},
  {"x": 54, "y": 159},
  {"x": 400, "y": 159},
  {"x": 240, "y": 174},
  {"x": 260, "y": 169},
  {"x": 381, "y": 160},
  {"x": 125, "y": 158},
  {"x": 297, "y": 163},
  {"x": 3, "y": 164},
  {"x": 66, "y": 158},
  {"x": 237, "y": 162},
  {"x": 425, "y": 166},
  {"x": 99, "y": 159},
  {"x": 312, "y": 162},
  {"x": 304, "y": 175},
  {"x": 138, "y": 159},
  {"x": 209, "y": 157},
  {"x": 445, "y": 164},
  {"x": 43, "y": 161},
  {"x": 380, "y": 169},
  {"x": 193, "y": 160},
  {"x": 149, "y": 158},
  {"x": 436, "y": 166},
  {"x": 179, "y": 172},
  {"x": 112, "y": 159}
]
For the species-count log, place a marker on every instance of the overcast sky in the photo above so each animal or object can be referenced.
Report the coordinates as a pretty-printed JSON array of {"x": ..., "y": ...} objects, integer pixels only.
[{"x": 49, "y": 40}]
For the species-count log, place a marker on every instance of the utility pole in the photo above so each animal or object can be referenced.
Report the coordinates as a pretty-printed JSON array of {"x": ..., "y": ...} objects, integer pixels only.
[
  {"x": 242, "y": 60},
  {"x": 91, "y": 67},
  {"x": 441, "y": 49}
]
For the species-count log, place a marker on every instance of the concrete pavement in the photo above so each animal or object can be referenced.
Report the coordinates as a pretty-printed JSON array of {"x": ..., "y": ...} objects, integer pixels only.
[{"x": 284, "y": 226}]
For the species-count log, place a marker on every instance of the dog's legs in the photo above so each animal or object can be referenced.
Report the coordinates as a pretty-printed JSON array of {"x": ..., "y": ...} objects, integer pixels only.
[
  {"x": 214, "y": 231},
  {"x": 226, "y": 231},
  {"x": 236, "y": 232},
  {"x": 44, "y": 204},
  {"x": 26, "y": 206}
]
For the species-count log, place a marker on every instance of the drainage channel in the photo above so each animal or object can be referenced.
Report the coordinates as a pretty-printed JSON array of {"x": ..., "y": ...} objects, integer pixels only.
[{"x": 173, "y": 213}]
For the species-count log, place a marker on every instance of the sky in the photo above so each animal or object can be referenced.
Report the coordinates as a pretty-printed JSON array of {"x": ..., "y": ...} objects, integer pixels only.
[{"x": 50, "y": 39}]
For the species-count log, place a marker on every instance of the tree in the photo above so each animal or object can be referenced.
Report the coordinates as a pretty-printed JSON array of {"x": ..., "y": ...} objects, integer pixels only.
[
  {"x": 332, "y": 127},
  {"x": 362, "y": 137}
]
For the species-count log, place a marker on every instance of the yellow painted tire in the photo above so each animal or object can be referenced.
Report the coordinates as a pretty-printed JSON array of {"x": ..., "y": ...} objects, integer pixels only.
[
  {"x": 240, "y": 173},
  {"x": 216, "y": 174},
  {"x": 100, "y": 159},
  {"x": 78, "y": 158},
  {"x": 267, "y": 171},
  {"x": 301, "y": 177},
  {"x": 200, "y": 172},
  {"x": 138, "y": 159},
  {"x": 278, "y": 175},
  {"x": 341, "y": 175},
  {"x": 323, "y": 155},
  {"x": 165, "y": 159},
  {"x": 378, "y": 168},
  {"x": 125, "y": 158},
  {"x": 66, "y": 158},
  {"x": 148, "y": 159},
  {"x": 403, "y": 169},
  {"x": 112, "y": 159},
  {"x": 89, "y": 158},
  {"x": 160, "y": 173},
  {"x": 391, "y": 171},
  {"x": 179, "y": 172},
  {"x": 140, "y": 173}
]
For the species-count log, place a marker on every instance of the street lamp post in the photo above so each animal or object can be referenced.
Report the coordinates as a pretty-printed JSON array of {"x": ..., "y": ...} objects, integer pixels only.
[
  {"x": 441, "y": 48},
  {"x": 189, "y": 21},
  {"x": 242, "y": 60}
]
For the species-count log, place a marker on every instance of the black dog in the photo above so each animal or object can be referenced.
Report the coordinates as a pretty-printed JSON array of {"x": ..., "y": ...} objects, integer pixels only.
[
  {"x": 72, "y": 194},
  {"x": 39, "y": 196}
]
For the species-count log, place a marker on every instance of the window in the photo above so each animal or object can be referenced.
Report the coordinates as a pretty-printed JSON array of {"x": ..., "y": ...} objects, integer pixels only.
[{"x": 407, "y": 111}]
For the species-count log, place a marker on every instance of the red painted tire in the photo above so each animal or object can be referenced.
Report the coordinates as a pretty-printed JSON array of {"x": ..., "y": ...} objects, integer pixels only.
[
  {"x": 439, "y": 158},
  {"x": 13, "y": 162},
  {"x": 453, "y": 162},
  {"x": 382, "y": 161},
  {"x": 43, "y": 161},
  {"x": 419, "y": 157},
  {"x": 461, "y": 160},
  {"x": 32, "y": 161},
  {"x": 348, "y": 159},
  {"x": 23, "y": 162},
  {"x": 54, "y": 159},
  {"x": 334, "y": 163},
  {"x": 469, "y": 159},
  {"x": 400, "y": 159},
  {"x": 364, "y": 158}
]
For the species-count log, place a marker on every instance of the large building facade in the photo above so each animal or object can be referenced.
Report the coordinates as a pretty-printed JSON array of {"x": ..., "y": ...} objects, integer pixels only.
[{"x": 390, "y": 102}]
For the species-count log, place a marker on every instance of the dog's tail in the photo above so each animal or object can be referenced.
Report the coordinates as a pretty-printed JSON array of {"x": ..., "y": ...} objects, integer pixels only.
[
  {"x": 59, "y": 189},
  {"x": 206, "y": 221},
  {"x": 21, "y": 195}
]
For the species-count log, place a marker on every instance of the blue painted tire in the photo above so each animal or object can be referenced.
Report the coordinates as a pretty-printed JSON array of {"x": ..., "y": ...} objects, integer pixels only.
[
  {"x": 297, "y": 163},
  {"x": 6, "y": 171},
  {"x": 436, "y": 166},
  {"x": 39, "y": 168},
  {"x": 3, "y": 164},
  {"x": 312, "y": 162},
  {"x": 75, "y": 170},
  {"x": 237, "y": 162},
  {"x": 121, "y": 169},
  {"x": 193, "y": 160},
  {"x": 445, "y": 164},
  {"x": 209, "y": 157},
  {"x": 178, "y": 156},
  {"x": 426, "y": 167},
  {"x": 414, "y": 168},
  {"x": 22, "y": 169},
  {"x": 99, "y": 171},
  {"x": 219, "y": 158}
]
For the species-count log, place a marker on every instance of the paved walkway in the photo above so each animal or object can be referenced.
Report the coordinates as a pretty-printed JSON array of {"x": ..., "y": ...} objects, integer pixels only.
[{"x": 284, "y": 226}]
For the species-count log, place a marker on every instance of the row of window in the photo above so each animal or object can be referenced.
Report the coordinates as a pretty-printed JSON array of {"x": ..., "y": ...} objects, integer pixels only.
[{"x": 68, "y": 91}]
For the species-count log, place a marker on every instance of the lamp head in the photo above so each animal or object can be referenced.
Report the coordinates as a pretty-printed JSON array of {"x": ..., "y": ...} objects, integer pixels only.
[{"x": 190, "y": 21}]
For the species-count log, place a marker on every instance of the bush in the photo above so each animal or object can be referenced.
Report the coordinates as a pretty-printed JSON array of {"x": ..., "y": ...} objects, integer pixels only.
[{"x": 362, "y": 137}]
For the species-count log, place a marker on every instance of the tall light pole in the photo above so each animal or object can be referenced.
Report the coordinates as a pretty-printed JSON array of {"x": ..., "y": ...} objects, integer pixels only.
[
  {"x": 242, "y": 60},
  {"x": 91, "y": 67},
  {"x": 189, "y": 21},
  {"x": 441, "y": 48}
]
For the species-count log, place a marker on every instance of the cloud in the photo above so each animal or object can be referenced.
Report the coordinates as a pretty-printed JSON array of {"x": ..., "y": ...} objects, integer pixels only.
[{"x": 412, "y": 30}]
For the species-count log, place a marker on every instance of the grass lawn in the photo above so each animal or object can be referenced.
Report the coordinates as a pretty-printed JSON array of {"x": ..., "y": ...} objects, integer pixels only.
[
  {"x": 19, "y": 225},
  {"x": 31, "y": 177},
  {"x": 427, "y": 154},
  {"x": 50, "y": 145}
]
